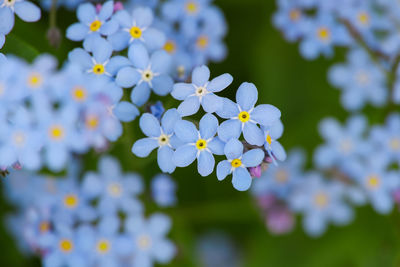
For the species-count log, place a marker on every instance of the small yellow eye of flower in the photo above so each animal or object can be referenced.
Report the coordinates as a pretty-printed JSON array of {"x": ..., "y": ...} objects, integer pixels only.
[
  {"x": 79, "y": 93},
  {"x": 244, "y": 116},
  {"x": 135, "y": 32},
  {"x": 163, "y": 140},
  {"x": 170, "y": 47},
  {"x": 201, "y": 144},
  {"x": 98, "y": 69},
  {"x": 44, "y": 227},
  {"x": 324, "y": 34},
  {"x": 103, "y": 246},
  {"x": 71, "y": 201},
  {"x": 19, "y": 139},
  {"x": 114, "y": 189},
  {"x": 346, "y": 146},
  {"x": 200, "y": 91},
  {"x": 363, "y": 17},
  {"x": 144, "y": 242},
  {"x": 9, "y": 2},
  {"x": 321, "y": 200},
  {"x": 269, "y": 139},
  {"x": 395, "y": 144},
  {"x": 202, "y": 42},
  {"x": 295, "y": 14},
  {"x": 66, "y": 245},
  {"x": 236, "y": 163},
  {"x": 373, "y": 181},
  {"x": 191, "y": 7},
  {"x": 147, "y": 75},
  {"x": 92, "y": 122},
  {"x": 281, "y": 176},
  {"x": 34, "y": 80},
  {"x": 56, "y": 132},
  {"x": 95, "y": 25}
]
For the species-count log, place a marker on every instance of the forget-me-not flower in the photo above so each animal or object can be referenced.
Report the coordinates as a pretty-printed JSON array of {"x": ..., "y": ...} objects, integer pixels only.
[{"x": 25, "y": 10}]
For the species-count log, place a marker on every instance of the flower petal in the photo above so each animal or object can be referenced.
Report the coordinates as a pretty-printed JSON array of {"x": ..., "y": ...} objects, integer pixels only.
[
  {"x": 164, "y": 159},
  {"x": 140, "y": 94},
  {"x": 253, "y": 134},
  {"x": 211, "y": 103},
  {"x": 229, "y": 129},
  {"x": 186, "y": 131},
  {"x": 201, "y": 75},
  {"x": 223, "y": 169},
  {"x": 181, "y": 91},
  {"x": 265, "y": 114},
  {"x": 233, "y": 149},
  {"x": 27, "y": 11},
  {"x": 184, "y": 155},
  {"x": 127, "y": 77},
  {"x": 189, "y": 107},
  {"x": 220, "y": 83},
  {"x": 205, "y": 163},
  {"x": 169, "y": 119},
  {"x": 253, "y": 158},
  {"x": 241, "y": 179},
  {"x": 246, "y": 96},
  {"x": 162, "y": 84},
  {"x": 143, "y": 147},
  {"x": 150, "y": 125},
  {"x": 208, "y": 126}
]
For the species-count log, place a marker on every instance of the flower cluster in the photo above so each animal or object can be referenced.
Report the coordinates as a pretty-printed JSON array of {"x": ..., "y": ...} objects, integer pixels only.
[
  {"x": 359, "y": 162},
  {"x": 180, "y": 142},
  {"x": 98, "y": 221}
]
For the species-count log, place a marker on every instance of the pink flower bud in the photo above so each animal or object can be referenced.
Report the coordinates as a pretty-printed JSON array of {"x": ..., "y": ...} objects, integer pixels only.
[
  {"x": 118, "y": 6},
  {"x": 98, "y": 7},
  {"x": 255, "y": 171},
  {"x": 280, "y": 221},
  {"x": 266, "y": 201}
]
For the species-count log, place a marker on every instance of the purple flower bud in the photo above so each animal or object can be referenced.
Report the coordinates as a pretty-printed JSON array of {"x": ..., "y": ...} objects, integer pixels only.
[
  {"x": 280, "y": 221},
  {"x": 118, "y": 6},
  {"x": 396, "y": 196},
  {"x": 266, "y": 201},
  {"x": 255, "y": 171},
  {"x": 17, "y": 166},
  {"x": 98, "y": 7}
]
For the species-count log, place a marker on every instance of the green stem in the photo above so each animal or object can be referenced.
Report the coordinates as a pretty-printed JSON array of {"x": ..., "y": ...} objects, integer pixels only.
[{"x": 53, "y": 14}]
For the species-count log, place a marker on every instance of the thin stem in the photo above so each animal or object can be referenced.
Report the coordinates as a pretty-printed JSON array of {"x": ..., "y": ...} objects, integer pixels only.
[{"x": 53, "y": 14}]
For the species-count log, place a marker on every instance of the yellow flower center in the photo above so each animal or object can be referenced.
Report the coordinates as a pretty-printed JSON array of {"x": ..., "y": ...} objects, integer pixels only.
[
  {"x": 201, "y": 144},
  {"x": 66, "y": 245},
  {"x": 236, "y": 163},
  {"x": 202, "y": 41},
  {"x": 147, "y": 75},
  {"x": 71, "y": 201},
  {"x": 281, "y": 176},
  {"x": 324, "y": 34},
  {"x": 135, "y": 32},
  {"x": 269, "y": 139},
  {"x": 95, "y": 25},
  {"x": 170, "y": 47},
  {"x": 363, "y": 17},
  {"x": 321, "y": 200},
  {"x": 79, "y": 93},
  {"x": 98, "y": 69},
  {"x": 395, "y": 144},
  {"x": 191, "y": 7},
  {"x": 295, "y": 14},
  {"x": 44, "y": 227},
  {"x": 373, "y": 181},
  {"x": 35, "y": 80},
  {"x": 19, "y": 138},
  {"x": 92, "y": 122},
  {"x": 244, "y": 116},
  {"x": 200, "y": 91},
  {"x": 362, "y": 78},
  {"x": 163, "y": 140},
  {"x": 144, "y": 242},
  {"x": 103, "y": 246},
  {"x": 56, "y": 132},
  {"x": 114, "y": 189},
  {"x": 9, "y": 2}
]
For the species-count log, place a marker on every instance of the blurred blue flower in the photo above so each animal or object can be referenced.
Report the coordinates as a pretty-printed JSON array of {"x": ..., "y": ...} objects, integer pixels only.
[
  {"x": 162, "y": 137},
  {"x": 200, "y": 144},
  {"x": 237, "y": 163},
  {"x": 201, "y": 92},
  {"x": 163, "y": 190},
  {"x": 244, "y": 116}
]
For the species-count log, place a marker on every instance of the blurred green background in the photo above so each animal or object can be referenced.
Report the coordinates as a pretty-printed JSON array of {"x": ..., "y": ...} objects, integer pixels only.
[{"x": 259, "y": 54}]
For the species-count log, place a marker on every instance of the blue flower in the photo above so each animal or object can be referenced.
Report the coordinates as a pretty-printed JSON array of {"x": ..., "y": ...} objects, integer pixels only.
[
  {"x": 92, "y": 23},
  {"x": 149, "y": 243},
  {"x": 162, "y": 137},
  {"x": 147, "y": 73},
  {"x": 114, "y": 190},
  {"x": 360, "y": 80},
  {"x": 237, "y": 163},
  {"x": 25, "y": 10},
  {"x": 245, "y": 117},
  {"x": 136, "y": 29},
  {"x": 272, "y": 146},
  {"x": 320, "y": 202},
  {"x": 163, "y": 190},
  {"x": 157, "y": 109},
  {"x": 198, "y": 144},
  {"x": 201, "y": 92}
]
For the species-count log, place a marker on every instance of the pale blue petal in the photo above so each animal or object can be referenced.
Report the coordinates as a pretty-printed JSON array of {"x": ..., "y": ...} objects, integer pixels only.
[
  {"x": 149, "y": 125},
  {"x": 116, "y": 63},
  {"x": 154, "y": 39},
  {"x": 241, "y": 179},
  {"x": 143, "y": 147},
  {"x": 102, "y": 50},
  {"x": 77, "y": 32},
  {"x": 205, "y": 163},
  {"x": 211, "y": 103},
  {"x": 6, "y": 20},
  {"x": 220, "y": 83},
  {"x": 184, "y": 155},
  {"x": 160, "y": 61},
  {"x": 127, "y": 77},
  {"x": 246, "y": 96},
  {"x": 27, "y": 11},
  {"x": 189, "y": 107},
  {"x": 162, "y": 84},
  {"x": 201, "y": 75},
  {"x": 169, "y": 119},
  {"x": 230, "y": 129},
  {"x": 186, "y": 131},
  {"x": 164, "y": 159},
  {"x": 164, "y": 251},
  {"x": 80, "y": 57},
  {"x": 229, "y": 109},
  {"x": 143, "y": 16},
  {"x": 126, "y": 111},
  {"x": 253, "y": 134},
  {"x": 233, "y": 149},
  {"x": 181, "y": 91},
  {"x": 216, "y": 146},
  {"x": 208, "y": 126},
  {"x": 119, "y": 40},
  {"x": 109, "y": 27},
  {"x": 223, "y": 169},
  {"x": 253, "y": 158},
  {"x": 106, "y": 10},
  {"x": 140, "y": 94},
  {"x": 265, "y": 114},
  {"x": 139, "y": 56},
  {"x": 278, "y": 151},
  {"x": 86, "y": 13}
]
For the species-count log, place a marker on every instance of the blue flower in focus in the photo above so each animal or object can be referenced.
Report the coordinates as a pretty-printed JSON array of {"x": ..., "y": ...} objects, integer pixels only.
[
  {"x": 114, "y": 190},
  {"x": 101, "y": 64},
  {"x": 200, "y": 144},
  {"x": 25, "y": 10},
  {"x": 244, "y": 116},
  {"x": 147, "y": 73},
  {"x": 136, "y": 29},
  {"x": 237, "y": 163},
  {"x": 149, "y": 243},
  {"x": 201, "y": 92},
  {"x": 272, "y": 146},
  {"x": 163, "y": 190},
  {"x": 360, "y": 80},
  {"x": 320, "y": 202},
  {"x": 162, "y": 137},
  {"x": 92, "y": 24}
]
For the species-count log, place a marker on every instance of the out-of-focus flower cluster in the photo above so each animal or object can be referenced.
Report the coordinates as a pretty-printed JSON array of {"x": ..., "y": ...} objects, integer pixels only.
[
  {"x": 96, "y": 221},
  {"x": 359, "y": 162}
]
